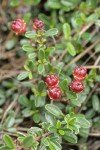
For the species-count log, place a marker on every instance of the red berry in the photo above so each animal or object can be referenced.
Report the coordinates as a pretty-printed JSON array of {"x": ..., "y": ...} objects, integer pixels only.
[
  {"x": 77, "y": 86},
  {"x": 52, "y": 80},
  {"x": 18, "y": 26},
  {"x": 54, "y": 93},
  {"x": 79, "y": 73},
  {"x": 38, "y": 24}
]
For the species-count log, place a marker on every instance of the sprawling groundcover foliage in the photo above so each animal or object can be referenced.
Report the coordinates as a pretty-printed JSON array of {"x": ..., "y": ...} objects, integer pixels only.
[{"x": 50, "y": 75}]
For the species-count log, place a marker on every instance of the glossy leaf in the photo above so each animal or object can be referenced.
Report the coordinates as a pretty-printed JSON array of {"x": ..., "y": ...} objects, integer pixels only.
[
  {"x": 95, "y": 102},
  {"x": 30, "y": 34},
  {"x": 51, "y": 32},
  {"x": 28, "y": 141},
  {"x": 23, "y": 100},
  {"x": 41, "y": 86},
  {"x": 22, "y": 75},
  {"x": 70, "y": 48},
  {"x": 8, "y": 141},
  {"x": 28, "y": 48},
  {"x": 41, "y": 68},
  {"x": 70, "y": 137},
  {"x": 67, "y": 31},
  {"x": 53, "y": 110}
]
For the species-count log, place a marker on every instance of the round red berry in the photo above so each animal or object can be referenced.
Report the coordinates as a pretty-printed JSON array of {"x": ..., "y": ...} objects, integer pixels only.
[
  {"x": 18, "y": 26},
  {"x": 77, "y": 86},
  {"x": 38, "y": 24},
  {"x": 79, "y": 73},
  {"x": 54, "y": 93},
  {"x": 52, "y": 80}
]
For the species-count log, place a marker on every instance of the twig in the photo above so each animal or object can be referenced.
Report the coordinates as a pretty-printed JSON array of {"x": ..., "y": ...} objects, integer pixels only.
[
  {"x": 95, "y": 134},
  {"x": 12, "y": 134},
  {"x": 9, "y": 107},
  {"x": 85, "y": 28},
  {"x": 39, "y": 137},
  {"x": 92, "y": 67},
  {"x": 83, "y": 53},
  {"x": 62, "y": 56},
  {"x": 92, "y": 91}
]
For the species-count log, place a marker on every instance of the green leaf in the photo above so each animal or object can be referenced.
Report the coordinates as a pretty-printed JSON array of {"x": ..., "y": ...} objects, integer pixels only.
[
  {"x": 4, "y": 148},
  {"x": 83, "y": 122},
  {"x": 53, "y": 110},
  {"x": 28, "y": 48},
  {"x": 22, "y": 75},
  {"x": 41, "y": 86},
  {"x": 67, "y": 31},
  {"x": 32, "y": 2},
  {"x": 54, "y": 4},
  {"x": 32, "y": 56},
  {"x": 70, "y": 48},
  {"x": 41, "y": 54},
  {"x": 10, "y": 121},
  {"x": 61, "y": 132},
  {"x": 91, "y": 4},
  {"x": 8, "y": 141},
  {"x": 56, "y": 145},
  {"x": 23, "y": 100},
  {"x": 27, "y": 17},
  {"x": 14, "y": 3},
  {"x": 41, "y": 68},
  {"x": 84, "y": 132},
  {"x": 95, "y": 102},
  {"x": 30, "y": 34},
  {"x": 36, "y": 117},
  {"x": 28, "y": 141},
  {"x": 90, "y": 113},
  {"x": 51, "y": 32},
  {"x": 97, "y": 48},
  {"x": 45, "y": 141},
  {"x": 75, "y": 102},
  {"x": 51, "y": 146},
  {"x": 10, "y": 43},
  {"x": 58, "y": 125},
  {"x": 39, "y": 101},
  {"x": 50, "y": 118},
  {"x": 30, "y": 75},
  {"x": 92, "y": 17},
  {"x": 70, "y": 137},
  {"x": 64, "y": 84},
  {"x": 71, "y": 95},
  {"x": 26, "y": 112},
  {"x": 52, "y": 129},
  {"x": 44, "y": 18}
]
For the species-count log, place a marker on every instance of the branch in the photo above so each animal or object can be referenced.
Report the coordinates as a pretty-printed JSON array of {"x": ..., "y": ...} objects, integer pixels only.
[{"x": 83, "y": 53}]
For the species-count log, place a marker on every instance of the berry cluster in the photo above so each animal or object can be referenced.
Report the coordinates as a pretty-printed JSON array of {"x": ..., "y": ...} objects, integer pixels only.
[
  {"x": 79, "y": 74},
  {"x": 38, "y": 24},
  {"x": 54, "y": 91},
  {"x": 19, "y": 26}
]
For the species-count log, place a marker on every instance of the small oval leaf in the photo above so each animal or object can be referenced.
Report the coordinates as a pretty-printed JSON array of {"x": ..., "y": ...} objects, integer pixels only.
[
  {"x": 30, "y": 34},
  {"x": 71, "y": 49},
  {"x": 51, "y": 32},
  {"x": 23, "y": 75},
  {"x": 67, "y": 31},
  {"x": 8, "y": 141},
  {"x": 53, "y": 110},
  {"x": 28, "y": 141}
]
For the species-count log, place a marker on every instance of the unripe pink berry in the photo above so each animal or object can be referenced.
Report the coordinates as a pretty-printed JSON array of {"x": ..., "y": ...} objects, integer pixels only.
[
  {"x": 52, "y": 80},
  {"x": 38, "y": 24},
  {"x": 18, "y": 26},
  {"x": 79, "y": 73},
  {"x": 55, "y": 93},
  {"x": 77, "y": 86}
]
